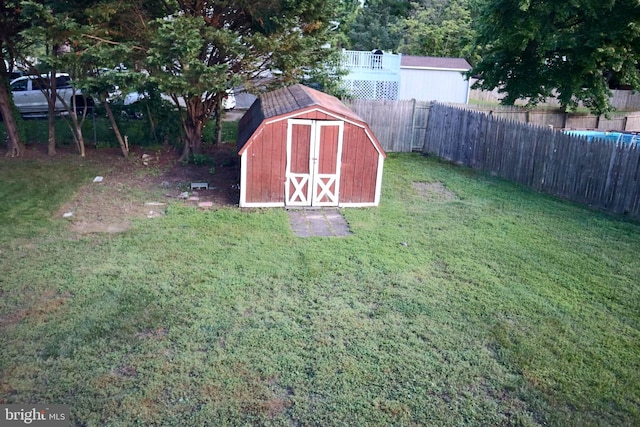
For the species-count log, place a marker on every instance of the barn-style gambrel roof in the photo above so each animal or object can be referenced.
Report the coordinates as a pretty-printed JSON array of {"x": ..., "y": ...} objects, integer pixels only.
[{"x": 292, "y": 99}]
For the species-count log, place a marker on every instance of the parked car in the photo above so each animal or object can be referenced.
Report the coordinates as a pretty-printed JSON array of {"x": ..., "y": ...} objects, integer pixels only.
[
  {"x": 228, "y": 102},
  {"x": 29, "y": 94}
]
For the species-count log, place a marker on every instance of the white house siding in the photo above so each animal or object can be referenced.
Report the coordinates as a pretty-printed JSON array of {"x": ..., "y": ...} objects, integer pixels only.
[{"x": 433, "y": 85}]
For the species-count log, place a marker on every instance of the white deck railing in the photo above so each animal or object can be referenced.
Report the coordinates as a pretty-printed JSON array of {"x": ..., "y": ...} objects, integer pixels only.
[{"x": 355, "y": 59}]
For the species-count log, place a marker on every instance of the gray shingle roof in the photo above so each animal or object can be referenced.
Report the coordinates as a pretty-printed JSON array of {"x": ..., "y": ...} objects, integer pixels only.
[
  {"x": 435, "y": 62},
  {"x": 289, "y": 100}
]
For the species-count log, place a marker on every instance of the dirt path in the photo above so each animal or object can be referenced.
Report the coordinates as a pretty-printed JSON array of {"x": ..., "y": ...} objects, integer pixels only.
[{"x": 144, "y": 184}]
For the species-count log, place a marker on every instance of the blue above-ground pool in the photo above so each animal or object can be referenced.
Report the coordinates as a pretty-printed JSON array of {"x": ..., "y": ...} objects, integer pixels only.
[{"x": 608, "y": 136}]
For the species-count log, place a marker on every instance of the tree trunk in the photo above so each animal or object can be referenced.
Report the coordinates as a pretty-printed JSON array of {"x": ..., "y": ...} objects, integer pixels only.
[
  {"x": 152, "y": 124},
  {"x": 80, "y": 138},
  {"x": 219, "y": 115},
  {"x": 77, "y": 131},
  {"x": 123, "y": 146},
  {"x": 186, "y": 151},
  {"x": 193, "y": 140},
  {"x": 219, "y": 129},
  {"x": 195, "y": 137},
  {"x": 77, "y": 124},
  {"x": 192, "y": 125},
  {"x": 14, "y": 145},
  {"x": 51, "y": 100}
]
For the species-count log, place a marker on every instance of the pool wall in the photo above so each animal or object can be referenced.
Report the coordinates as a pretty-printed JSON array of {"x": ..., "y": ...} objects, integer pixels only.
[{"x": 627, "y": 138}]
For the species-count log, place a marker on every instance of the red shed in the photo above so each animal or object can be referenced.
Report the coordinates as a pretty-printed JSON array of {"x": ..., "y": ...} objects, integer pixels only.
[{"x": 302, "y": 147}]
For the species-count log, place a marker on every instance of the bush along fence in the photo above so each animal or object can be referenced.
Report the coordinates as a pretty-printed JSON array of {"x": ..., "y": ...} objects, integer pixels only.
[{"x": 602, "y": 174}]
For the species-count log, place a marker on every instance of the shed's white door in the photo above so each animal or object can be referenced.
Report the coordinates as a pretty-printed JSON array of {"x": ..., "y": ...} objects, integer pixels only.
[{"x": 314, "y": 149}]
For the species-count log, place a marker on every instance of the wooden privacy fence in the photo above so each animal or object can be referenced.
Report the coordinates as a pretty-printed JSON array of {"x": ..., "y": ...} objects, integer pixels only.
[
  {"x": 625, "y": 100},
  {"x": 629, "y": 121},
  {"x": 602, "y": 174},
  {"x": 399, "y": 125}
]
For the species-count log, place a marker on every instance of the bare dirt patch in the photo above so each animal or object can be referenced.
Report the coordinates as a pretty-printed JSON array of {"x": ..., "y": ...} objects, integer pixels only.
[
  {"x": 143, "y": 185},
  {"x": 40, "y": 309},
  {"x": 434, "y": 191}
]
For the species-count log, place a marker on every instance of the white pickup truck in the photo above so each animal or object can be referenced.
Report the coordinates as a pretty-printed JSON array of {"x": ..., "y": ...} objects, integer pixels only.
[{"x": 30, "y": 97}]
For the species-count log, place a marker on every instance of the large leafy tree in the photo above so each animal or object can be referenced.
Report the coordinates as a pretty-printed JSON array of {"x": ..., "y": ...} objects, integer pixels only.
[
  {"x": 377, "y": 23},
  {"x": 418, "y": 27},
  {"x": 111, "y": 47},
  {"x": 345, "y": 17},
  {"x": 13, "y": 21},
  {"x": 537, "y": 49},
  {"x": 51, "y": 31},
  {"x": 437, "y": 28},
  {"x": 201, "y": 48},
  {"x": 52, "y": 37},
  {"x": 194, "y": 50}
]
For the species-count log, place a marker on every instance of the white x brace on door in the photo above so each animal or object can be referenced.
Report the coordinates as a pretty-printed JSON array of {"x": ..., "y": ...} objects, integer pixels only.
[{"x": 314, "y": 150}]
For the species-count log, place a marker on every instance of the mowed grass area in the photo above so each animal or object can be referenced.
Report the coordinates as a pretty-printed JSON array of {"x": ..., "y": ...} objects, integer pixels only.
[{"x": 497, "y": 307}]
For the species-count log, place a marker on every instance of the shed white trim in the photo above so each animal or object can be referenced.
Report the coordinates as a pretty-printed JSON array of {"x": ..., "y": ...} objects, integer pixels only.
[
  {"x": 379, "y": 179},
  {"x": 305, "y": 111},
  {"x": 243, "y": 181},
  {"x": 263, "y": 205}
]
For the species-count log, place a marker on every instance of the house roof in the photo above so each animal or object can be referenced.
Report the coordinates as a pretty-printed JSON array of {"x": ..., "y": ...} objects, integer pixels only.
[
  {"x": 287, "y": 100},
  {"x": 435, "y": 63}
]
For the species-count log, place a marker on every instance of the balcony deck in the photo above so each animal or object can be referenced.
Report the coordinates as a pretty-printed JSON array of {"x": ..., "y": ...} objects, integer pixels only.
[
  {"x": 355, "y": 59},
  {"x": 371, "y": 75}
]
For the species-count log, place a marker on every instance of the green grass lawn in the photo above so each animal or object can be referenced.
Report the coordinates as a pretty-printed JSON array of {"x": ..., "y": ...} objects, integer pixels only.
[{"x": 497, "y": 307}]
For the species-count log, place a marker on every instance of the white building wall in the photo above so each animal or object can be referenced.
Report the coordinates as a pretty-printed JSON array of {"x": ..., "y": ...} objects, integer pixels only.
[{"x": 433, "y": 85}]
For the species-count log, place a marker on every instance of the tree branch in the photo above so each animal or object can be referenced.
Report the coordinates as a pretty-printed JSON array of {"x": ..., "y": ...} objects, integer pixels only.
[{"x": 101, "y": 40}]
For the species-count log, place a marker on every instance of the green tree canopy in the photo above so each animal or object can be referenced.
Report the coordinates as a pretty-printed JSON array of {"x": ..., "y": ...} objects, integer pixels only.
[
  {"x": 201, "y": 48},
  {"x": 437, "y": 28},
  {"x": 537, "y": 48},
  {"x": 376, "y": 25},
  {"x": 418, "y": 27},
  {"x": 194, "y": 50},
  {"x": 346, "y": 14}
]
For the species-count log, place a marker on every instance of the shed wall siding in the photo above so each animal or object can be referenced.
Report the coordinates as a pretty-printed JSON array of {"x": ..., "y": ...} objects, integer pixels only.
[
  {"x": 359, "y": 167},
  {"x": 349, "y": 162},
  {"x": 433, "y": 85},
  {"x": 266, "y": 161}
]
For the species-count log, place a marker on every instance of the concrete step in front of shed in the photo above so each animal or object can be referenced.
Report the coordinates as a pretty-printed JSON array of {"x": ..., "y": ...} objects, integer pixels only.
[{"x": 318, "y": 223}]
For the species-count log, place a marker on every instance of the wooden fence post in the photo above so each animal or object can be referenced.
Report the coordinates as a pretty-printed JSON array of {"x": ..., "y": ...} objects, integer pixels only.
[
  {"x": 425, "y": 143},
  {"x": 413, "y": 121}
]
